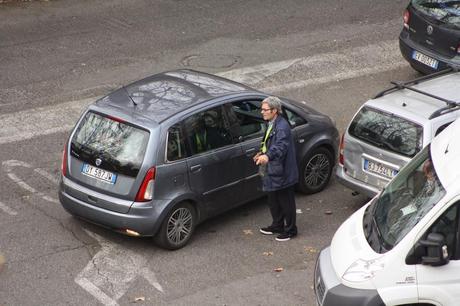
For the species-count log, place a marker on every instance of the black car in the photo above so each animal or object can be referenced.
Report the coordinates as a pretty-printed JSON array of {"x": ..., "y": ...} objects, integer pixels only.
[
  {"x": 160, "y": 155},
  {"x": 430, "y": 38}
]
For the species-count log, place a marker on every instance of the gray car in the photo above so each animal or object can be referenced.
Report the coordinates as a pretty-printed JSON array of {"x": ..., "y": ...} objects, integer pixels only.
[{"x": 160, "y": 155}]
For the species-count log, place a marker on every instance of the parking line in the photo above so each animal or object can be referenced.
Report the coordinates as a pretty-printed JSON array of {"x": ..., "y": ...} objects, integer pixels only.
[{"x": 8, "y": 210}]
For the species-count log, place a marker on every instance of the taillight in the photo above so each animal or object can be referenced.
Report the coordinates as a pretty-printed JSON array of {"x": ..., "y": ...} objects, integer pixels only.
[
  {"x": 341, "y": 148},
  {"x": 145, "y": 192},
  {"x": 406, "y": 17},
  {"x": 64, "y": 161}
]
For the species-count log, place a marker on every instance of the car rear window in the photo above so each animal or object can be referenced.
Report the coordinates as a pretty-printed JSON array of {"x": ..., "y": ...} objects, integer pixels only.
[
  {"x": 387, "y": 131},
  {"x": 447, "y": 11},
  {"x": 119, "y": 145}
]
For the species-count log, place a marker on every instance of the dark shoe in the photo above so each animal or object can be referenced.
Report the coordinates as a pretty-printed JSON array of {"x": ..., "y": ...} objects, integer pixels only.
[
  {"x": 270, "y": 230},
  {"x": 285, "y": 236}
]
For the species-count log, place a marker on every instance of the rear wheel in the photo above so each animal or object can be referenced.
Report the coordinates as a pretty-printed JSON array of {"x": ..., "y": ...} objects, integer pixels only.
[
  {"x": 177, "y": 227},
  {"x": 315, "y": 171}
]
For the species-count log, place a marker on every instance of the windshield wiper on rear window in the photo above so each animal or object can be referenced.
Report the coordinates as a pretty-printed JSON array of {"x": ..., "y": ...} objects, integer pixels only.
[{"x": 439, "y": 4}]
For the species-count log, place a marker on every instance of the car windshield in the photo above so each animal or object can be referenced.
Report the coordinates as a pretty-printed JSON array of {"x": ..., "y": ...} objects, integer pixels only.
[
  {"x": 443, "y": 10},
  {"x": 387, "y": 131},
  {"x": 403, "y": 203},
  {"x": 119, "y": 145}
]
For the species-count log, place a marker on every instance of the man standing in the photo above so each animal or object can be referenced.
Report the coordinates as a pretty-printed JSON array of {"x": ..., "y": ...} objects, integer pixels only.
[{"x": 278, "y": 161}]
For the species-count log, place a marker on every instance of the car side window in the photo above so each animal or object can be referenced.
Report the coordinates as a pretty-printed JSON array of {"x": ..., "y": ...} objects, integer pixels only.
[
  {"x": 207, "y": 130},
  {"x": 447, "y": 225},
  {"x": 245, "y": 119},
  {"x": 175, "y": 149},
  {"x": 293, "y": 118}
]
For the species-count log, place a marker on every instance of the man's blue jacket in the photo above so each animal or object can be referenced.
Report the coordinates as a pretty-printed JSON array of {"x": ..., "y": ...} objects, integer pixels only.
[{"x": 282, "y": 169}]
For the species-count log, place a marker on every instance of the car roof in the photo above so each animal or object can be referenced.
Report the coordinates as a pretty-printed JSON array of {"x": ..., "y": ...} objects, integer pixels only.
[
  {"x": 419, "y": 107},
  {"x": 164, "y": 94},
  {"x": 445, "y": 153}
]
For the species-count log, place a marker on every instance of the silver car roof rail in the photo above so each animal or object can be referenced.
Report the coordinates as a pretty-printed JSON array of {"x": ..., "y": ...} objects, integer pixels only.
[{"x": 451, "y": 105}]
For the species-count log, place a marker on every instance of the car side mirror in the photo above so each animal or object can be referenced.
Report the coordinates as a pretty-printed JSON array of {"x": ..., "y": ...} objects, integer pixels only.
[{"x": 436, "y": 250}]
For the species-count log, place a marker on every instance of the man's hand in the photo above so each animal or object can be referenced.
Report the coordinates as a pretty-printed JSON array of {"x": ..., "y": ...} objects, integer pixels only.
[
  {"x": 261, "y": 159},
  {"x": 256, "y": 156}
]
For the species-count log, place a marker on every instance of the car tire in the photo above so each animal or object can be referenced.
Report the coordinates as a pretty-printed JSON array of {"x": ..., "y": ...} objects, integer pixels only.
[
  {"x": 315, "y": 170},
  {"x": 177, "y": 227}
]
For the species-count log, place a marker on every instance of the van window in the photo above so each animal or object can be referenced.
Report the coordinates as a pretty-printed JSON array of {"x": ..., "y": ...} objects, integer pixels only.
[
  {"x": 175, "y": 149},
  {"x": 447, "y": 225},
  {"x": 207, "y": 130},
  {"x": 120, "y": 145},
  {"x": 446, "y": 11},
  {"x": 403, "y": 203},
  {"x": 387, "y": 131}
]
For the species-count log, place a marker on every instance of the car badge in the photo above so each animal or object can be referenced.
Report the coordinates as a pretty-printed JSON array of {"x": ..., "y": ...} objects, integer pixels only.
[
  {"x": 98, "y": 162},
  {"x": 429, "y": 30}
]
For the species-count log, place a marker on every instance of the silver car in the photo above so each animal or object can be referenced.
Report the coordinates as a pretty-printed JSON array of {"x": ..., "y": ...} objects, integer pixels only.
[
  {"x": 390, "y": 129},
  {"x": 158, "y": 156}
]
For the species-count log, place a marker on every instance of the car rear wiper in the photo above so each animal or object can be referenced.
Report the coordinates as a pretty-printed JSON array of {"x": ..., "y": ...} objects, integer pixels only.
[{"x": 439, "y": 4}]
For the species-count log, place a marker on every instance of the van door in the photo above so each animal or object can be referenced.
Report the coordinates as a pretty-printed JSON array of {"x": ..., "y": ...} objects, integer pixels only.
[
  {"x": 441, "y": 284},
  {"x": 213, "y": 169}
]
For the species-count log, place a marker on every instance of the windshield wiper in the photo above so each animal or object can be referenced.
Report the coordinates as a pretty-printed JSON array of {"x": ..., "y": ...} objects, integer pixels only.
[{"x": 439, "y": 4}]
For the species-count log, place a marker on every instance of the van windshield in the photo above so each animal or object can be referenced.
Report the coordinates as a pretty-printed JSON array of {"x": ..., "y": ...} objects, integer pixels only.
[
  {"x": 403, "y": 203},
  {"x": 447, "y": 11},
  {"x": 387, "y": 131},
  {"x": 119, "y": 145}
]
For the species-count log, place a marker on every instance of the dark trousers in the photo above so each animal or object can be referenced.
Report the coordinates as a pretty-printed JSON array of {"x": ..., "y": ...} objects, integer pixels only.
[{"x": 282, "y": 209}]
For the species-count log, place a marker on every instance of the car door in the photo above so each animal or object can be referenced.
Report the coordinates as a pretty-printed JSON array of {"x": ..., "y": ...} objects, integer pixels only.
[
  {"x": 213, "y": 169},
  {"x": 247, "y": 127},
  {"x": 441, "y": 284}
]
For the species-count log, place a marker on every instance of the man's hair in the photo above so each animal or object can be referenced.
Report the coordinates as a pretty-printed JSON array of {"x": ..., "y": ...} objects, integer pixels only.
[{"x": 274, "y": 103}]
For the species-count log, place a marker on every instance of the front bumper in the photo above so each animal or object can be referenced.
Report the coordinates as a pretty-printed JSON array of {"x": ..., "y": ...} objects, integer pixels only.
[
  {"x": 355, "y": 184},
  {"x": 407, "y": 46},
  {"x": 143, "y": 219},
  {"x": 331, "y": 292}
]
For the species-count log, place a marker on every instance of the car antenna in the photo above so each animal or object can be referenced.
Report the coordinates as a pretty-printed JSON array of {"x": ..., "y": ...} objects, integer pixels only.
[{"x": 132, "y": 100}]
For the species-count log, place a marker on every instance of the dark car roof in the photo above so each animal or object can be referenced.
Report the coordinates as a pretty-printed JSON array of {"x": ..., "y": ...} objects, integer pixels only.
[{"x": 162, "y": 95}]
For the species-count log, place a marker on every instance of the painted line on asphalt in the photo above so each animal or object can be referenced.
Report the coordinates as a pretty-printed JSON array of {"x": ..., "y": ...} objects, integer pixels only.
[
  {"x": 295, "y": 73},
  {"x": 111, "y": 272},
  {"x": 8, "y": 210}
]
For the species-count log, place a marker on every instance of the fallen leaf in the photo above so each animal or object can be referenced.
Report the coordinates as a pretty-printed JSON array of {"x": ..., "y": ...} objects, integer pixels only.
[
  {"x": 278, "y": 269},
  {"x": 267, "y": 253},
  {"x": 328, "y": 212},
  {"x": 310, "y": 249},
  {"x": 298, "y": 211},
  {"x": 139, "y": 299},
  {"x": 248, "y": 232}
]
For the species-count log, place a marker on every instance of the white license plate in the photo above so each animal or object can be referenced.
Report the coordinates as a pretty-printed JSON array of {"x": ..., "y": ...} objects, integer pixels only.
[
  {"x": 98, "y": 173},
  {"x": 378, "y": 168},
  {"x": 424, "y": 59}
]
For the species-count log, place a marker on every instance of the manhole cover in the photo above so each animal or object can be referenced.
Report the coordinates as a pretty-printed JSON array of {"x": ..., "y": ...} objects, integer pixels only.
[{"x": 210, "y": 61}]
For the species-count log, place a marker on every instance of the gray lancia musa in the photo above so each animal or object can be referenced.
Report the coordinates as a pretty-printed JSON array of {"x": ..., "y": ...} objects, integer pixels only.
[{"x": 158, "y": 156}]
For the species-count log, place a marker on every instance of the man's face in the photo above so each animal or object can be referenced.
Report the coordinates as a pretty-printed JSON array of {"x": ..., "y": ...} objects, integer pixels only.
[{"x": 267, "y": 112}]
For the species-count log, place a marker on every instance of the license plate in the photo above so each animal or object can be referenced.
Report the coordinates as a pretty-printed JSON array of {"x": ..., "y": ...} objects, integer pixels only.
[
  {"x": 378, "y": 168},
  {"x": 424, "y": 59},
  {"x": 98, "y": 173}
]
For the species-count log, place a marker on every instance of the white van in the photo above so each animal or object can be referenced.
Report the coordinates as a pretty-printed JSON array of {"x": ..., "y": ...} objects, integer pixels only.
[{"x": 403, "y": 247}]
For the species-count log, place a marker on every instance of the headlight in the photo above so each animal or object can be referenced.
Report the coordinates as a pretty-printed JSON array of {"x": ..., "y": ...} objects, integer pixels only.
[{"x": 362, "y": 270}]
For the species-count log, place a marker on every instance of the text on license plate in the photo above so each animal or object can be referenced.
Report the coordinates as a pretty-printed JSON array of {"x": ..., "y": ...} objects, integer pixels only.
[
  {"x": 422, "y": 58},
  {"x": 378, "y": 168},
  {"x": 98, "y": 173}
]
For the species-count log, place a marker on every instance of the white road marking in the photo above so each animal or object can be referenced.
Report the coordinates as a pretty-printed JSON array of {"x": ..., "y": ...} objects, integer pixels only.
[
  {"x": 8, "y": 210},
  {"x": 109, "y": 275},
  {"x": 296, "y": 73},
  {"x": 9, "y": 165}
]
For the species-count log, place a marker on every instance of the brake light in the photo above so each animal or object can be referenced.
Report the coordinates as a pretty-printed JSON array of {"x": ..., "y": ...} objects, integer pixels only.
[
  {"x": 145, "y": 192},
  {"x": 341, "y": 149},
  {"x": 116, "y": 119},
  {"x": 406, "y": 18},
  {"x": 64, "y": 161}
]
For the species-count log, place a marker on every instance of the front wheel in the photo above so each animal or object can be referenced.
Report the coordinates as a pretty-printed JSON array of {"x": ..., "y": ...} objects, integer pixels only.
[
  {"x": 315, "y": 171},
  {"x": 177, "y": 227}
]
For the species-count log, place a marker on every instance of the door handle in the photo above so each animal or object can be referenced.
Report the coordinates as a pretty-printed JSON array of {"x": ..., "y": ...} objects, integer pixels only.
[{"x": 195, "y": 168}]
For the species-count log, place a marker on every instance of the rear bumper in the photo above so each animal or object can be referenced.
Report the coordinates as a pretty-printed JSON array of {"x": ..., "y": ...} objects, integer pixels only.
[
  {"x": 354, "y": 184},
  {"x": 407, "y": 46},
  {"x": 144, "y": 219},
  {"x": 330, "y": 291}
]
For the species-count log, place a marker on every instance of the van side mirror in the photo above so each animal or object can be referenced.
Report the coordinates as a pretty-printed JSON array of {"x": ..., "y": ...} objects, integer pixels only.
[{"x": 436, "y": 250}]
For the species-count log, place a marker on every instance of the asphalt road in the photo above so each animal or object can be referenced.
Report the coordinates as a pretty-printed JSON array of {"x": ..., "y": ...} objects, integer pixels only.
[{"x": 58, "y": 56}]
